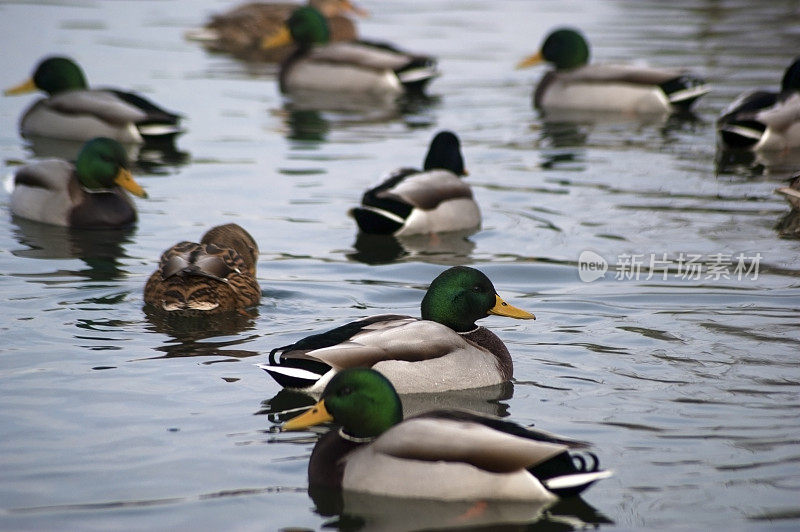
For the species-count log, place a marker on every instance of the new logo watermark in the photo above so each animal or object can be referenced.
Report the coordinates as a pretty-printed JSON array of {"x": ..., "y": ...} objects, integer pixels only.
[{"x": 684, "y": 266}]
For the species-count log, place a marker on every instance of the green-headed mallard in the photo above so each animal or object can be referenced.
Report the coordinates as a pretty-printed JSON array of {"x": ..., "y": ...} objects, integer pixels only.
[
  {"x": 764, "y": 120},
  {"x": 576, "y": 85},
  {"x": 345, "y": 67},
  {"x": 444, "y": 350},
  {"x": 440, "y": 454},
  {"x": 73, "y": 111},
  {"x": 410, "y": 201},
  {"x": 241, "y": 31},
  {"x": 86, "y": 194},
  {"x": 218, "y": 274}
]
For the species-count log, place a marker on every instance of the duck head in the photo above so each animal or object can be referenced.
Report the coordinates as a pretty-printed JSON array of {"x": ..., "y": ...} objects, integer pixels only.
[
  {"x": 461, "y": 295},
  {"x": 52, "y": 75},
  {"x": 362, "y": 401},
  {"x": 445, "y": 153},
  {"x": 305, "y": 27},
  {"x": 102, "y": 164},
  {"x": 564, "y": 48}
]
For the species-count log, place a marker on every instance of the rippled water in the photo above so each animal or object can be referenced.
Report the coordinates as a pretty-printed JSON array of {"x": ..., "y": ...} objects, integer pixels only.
[{"x": 689, "y": 388}]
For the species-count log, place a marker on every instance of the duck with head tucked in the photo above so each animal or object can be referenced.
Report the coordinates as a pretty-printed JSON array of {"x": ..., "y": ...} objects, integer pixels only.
[
  {"x": 575, "y": 84},
  {"x": 218, "y": 274},
  {"x": 764, "y": 120},
  {"x": 432, "y": 200},
  {"x": 441, "y": 454},
  {"x": 241, "y": 31},
  {"x": 87, "y": 194},
  {"x": 445, "y": 350},
  {"x": 357, "y": 67},
  {"x": 73, "y": 111}
]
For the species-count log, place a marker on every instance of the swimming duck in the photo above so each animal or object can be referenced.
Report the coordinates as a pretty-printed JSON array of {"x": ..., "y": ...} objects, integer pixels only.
[
  {"x": 241, "y": 31},
  {"x": 577, "y": 85},
  {"x": 411, "y": 201},
  {"x": 217, "y": 274},
  {"x": 86, "y": 194},
  {"x": 764, "y": 120},
  {"x": 439, "y": 454},
  {"x": 444, "y": 350},
  {"x": 349, "y": 67},
  {"x": 73, "y": 111}
]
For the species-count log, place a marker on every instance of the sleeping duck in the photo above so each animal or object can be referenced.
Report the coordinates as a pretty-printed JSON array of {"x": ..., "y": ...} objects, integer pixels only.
[
  {"x": 361, "y": 67},
  {"x": 440, "y": 454},
  {"x": 241, "y": 30},
  {"x": 73, "y": 111},
  {"x": 443, "y": 351},
  {"x": 575, "y": 84},
  {"x": 764, "y": 120},
  {"x": 86, "y": 194},
  {"x": 433, "y": 200},
  {"x": 216, "y": 275}
]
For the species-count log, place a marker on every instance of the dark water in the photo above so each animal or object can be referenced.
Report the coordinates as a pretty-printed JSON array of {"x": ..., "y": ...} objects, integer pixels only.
[{"x": 689, "y": 387}]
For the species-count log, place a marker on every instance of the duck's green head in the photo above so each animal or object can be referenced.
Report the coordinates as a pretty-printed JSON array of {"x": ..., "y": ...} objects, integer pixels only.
[
  {"x": 305, "y": 27},
  {"x": 361, "y": 400},
  {"x": 565, "y": 48},
  {"x": 53, "y": 75},
  {"x": 461, "y": 295},
  {"x": 102, "y": 163},
  {"x": 445, "y": 153},
  {"x": 791, "y": 79}
]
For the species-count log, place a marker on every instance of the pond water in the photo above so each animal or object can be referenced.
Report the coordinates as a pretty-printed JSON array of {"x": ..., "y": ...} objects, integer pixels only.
[{"x": 688, "y": 387}]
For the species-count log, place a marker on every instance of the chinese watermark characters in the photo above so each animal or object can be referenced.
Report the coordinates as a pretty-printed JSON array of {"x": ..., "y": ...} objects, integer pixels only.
[{"x": 684, "y": 266}]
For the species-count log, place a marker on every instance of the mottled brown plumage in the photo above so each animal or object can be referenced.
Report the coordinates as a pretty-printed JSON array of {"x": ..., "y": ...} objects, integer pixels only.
[
  {"x": 242, "y": 30},
  {"x": 218, "y": 274}
]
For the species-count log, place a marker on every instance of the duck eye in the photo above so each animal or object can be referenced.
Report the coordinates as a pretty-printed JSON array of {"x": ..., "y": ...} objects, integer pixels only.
[
  {"x": 344, "y": 391},
  {"x": 476, "y": 288}
]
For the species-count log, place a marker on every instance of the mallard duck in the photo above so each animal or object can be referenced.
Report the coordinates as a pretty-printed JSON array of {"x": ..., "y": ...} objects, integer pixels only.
[
  {"x": 433, "y": 200},
  {"x": 347, "y": 67},
  {"x": 444, "y": 350},
  {"x": 241, "y": 31},
  {"x": 86, "y": 194},
  {"x": 577, "y": 85},
  {"x": 439, "y": 454},
  {"x": 73, "y": 111},
  {"x": 216, "y": 275},
  {"x": 764, "y": 120}
]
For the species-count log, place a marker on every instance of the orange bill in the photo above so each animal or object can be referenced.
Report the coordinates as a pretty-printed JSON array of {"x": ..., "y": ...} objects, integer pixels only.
[
  {"x": 531, "y": 60},
  {"x": 126, "y": 181},
  {"x": 501, "y": 308},
  {"x": 314, "y": 416},
  {"x": 22, "y": 88}
]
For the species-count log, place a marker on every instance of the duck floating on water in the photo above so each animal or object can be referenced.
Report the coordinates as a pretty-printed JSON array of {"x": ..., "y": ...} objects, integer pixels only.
[
  {"x": 445, "y": 350},
  {"x": 357, "y": 67},
  {"x": 85, "y": 194},
  {"x": 433, "y": 200},
  {"x": 441, "y": 454},
  {"x": 576, "y": 85},
  {"x": 218, "y": 274},
  {"x": 73, "y": 111},
  {"x": 241, "y": 31},
  {"x": 764, "y": 120}
]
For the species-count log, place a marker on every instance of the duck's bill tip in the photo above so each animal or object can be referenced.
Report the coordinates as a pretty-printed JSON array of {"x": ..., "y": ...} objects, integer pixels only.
[
  {"x": 531, "y": 60},
  {"x": 24, "y": 87},
  {"x": 501, "y": 308},
  {"x": 315, "y": 415}
]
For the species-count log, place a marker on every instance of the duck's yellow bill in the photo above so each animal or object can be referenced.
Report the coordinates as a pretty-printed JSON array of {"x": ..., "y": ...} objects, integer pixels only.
[
  {"x": 126, "y": 181},
  {"x": 501, "y": 308},
  {"x": 314, "y": 416},
  {"x": 531, "y": 60},
  {"x": 282, "y": 37},
  {"x": 22, "y": 88}
]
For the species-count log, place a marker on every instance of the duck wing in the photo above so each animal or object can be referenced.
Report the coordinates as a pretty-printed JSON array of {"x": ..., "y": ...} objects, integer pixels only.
[{"x": 99, "y": 103}]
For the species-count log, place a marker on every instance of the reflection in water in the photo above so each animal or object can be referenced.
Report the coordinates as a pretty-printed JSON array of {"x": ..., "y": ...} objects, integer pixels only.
[
  {"x": 100, "y": 249},
  {"x": 363, "y": 511},
  {"x": 452, "y": 249},
  {"x": 189, "y": 332},
  {"x": 148, "y": 157},
  {"x": 310, "y": 115},
  {"x": 487, "y": 400},
  {"x": 744, "y": 162}
]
